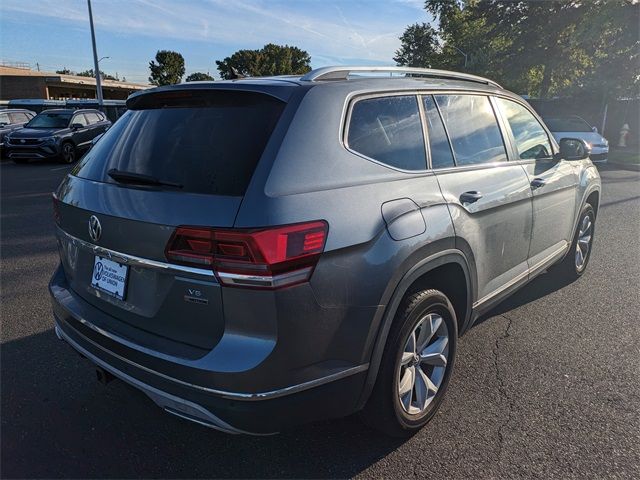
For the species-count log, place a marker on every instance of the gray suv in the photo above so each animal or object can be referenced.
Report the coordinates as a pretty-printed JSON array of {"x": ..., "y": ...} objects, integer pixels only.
[{"x": 263, "y": 252}]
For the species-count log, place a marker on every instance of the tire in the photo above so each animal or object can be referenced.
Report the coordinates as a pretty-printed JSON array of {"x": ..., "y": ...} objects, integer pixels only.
[
  {"x": 68, "y": 153},
  {"x": 388, "y": 409},
  {"x": 573, "y": 266}
]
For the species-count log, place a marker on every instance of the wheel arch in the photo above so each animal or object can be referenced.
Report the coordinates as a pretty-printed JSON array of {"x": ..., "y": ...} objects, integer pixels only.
[{"x": 450, "y": 266}]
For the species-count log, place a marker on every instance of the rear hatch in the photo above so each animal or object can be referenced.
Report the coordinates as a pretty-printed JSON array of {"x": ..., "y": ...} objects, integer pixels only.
[{"x": 176, "y": 158}]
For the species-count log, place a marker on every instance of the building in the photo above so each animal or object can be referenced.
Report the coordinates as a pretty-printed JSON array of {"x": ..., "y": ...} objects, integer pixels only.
[{"x": 22, "y": 82}]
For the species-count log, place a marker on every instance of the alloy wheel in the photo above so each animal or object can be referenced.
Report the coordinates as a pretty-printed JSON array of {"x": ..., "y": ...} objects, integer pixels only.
[
  {"x": 423, "y": 364},
  {"x": 583, "y": 245},
  {"x": 68, "y": 153}
]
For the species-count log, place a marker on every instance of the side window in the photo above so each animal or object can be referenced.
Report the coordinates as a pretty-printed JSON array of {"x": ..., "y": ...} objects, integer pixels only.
[
  {"x": 92, "y": 118},
  {"x": 4, "y": 118},
  {"x": 389, "y": 130},
  {"x": 441, "y": 156},
  {"x": 79, "y": 118},
  {"x": 473, "y": 129},
  {"x": 531, "y": 139},
  {"x": 18, "y": 117}
]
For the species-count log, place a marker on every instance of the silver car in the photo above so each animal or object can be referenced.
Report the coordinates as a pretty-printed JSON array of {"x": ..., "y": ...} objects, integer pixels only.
[{"x": 259, "y": 253}]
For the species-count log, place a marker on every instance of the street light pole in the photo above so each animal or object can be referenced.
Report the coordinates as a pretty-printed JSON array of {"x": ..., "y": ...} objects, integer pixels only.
[
  {"x": 465, "y": 55},
  {"x": 96, "y": 65}
]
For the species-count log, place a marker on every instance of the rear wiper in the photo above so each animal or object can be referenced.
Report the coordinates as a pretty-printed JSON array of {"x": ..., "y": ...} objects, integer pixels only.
[{"x": 139, "y": 178}]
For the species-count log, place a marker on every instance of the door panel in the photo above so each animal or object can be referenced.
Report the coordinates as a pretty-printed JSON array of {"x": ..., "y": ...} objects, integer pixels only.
[
  {"x": 553, "y": 185},
  {"x": 497, "y": 226}
]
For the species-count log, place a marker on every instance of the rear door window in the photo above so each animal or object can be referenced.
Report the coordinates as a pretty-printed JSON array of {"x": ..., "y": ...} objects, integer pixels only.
[
  {"x": 92, "y": 118},
  {"x": 441, "y": 156},
  {"x": 531, "y": 139},
  {"x": 80, "y": 119},
  {"x": 389, "y": 130},
  {"x": 473, "y": 129},
  {"x": 207, "y": 142}
]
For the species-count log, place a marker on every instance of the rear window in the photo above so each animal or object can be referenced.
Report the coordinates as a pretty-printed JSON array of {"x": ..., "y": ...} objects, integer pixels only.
[{"x": 207, "y": 142}]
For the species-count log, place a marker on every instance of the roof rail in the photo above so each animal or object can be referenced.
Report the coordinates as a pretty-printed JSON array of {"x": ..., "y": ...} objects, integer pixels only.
[{"x": 342, "y": 73}]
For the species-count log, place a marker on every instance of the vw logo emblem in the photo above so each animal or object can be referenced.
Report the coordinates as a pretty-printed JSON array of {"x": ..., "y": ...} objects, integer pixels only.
[
  {"x": 22, "y": 140},
  {"x": 95, "y": 229}
]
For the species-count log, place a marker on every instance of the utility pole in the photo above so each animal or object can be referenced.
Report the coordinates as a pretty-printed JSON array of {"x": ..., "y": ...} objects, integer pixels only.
[{"x": 96, "y": 66}]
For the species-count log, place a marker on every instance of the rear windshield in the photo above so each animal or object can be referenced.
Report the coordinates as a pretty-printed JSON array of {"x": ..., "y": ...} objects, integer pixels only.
[{"x": 206, "y": 142}]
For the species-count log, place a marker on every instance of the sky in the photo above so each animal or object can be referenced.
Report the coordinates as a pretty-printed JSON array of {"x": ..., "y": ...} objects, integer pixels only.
[{"x": 55, "y": 33}]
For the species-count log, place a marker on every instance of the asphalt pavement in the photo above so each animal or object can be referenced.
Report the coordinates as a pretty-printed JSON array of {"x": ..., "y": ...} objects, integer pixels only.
[{"x": 548, "y": 385}]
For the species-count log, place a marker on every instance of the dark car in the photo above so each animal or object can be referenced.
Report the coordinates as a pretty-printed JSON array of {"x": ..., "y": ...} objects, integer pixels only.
[
  {"x": 10, "y": 120},
  {"x": 57, "y": 133}
]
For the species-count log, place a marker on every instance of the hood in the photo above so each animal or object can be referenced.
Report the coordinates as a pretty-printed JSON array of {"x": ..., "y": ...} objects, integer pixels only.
[
  {"x": 592, "y": 138},
  {"x": 37, "y": 132}
]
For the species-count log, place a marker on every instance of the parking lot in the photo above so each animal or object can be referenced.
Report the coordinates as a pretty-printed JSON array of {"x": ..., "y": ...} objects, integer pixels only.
[{"x": 548, "y": 385}]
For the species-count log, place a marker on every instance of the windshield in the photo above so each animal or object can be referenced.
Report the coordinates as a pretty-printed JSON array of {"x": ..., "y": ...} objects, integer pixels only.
[
  {"x": 567, "y": 124},
  {"x": 206, "y": 142},
  {"x": 50, "y": 120}
]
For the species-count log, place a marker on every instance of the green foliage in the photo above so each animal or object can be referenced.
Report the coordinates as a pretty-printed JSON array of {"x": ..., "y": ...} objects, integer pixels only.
[
  {"x": 198, "y": 77},
  {"x": 90, "y": 73},
  {"x": 419, "y": 47},
  {"x": 270, "y": 60},
  {"x": 167, "y": 69},
  {"x": 542, "y": 48}
]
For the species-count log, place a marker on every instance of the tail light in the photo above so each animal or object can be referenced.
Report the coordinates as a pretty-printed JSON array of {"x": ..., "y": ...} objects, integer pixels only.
[{"x": 261, "y": 258}]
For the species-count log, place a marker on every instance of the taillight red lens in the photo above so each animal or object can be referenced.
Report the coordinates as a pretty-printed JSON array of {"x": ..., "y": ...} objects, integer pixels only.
[{"x": 263, "y": 258}]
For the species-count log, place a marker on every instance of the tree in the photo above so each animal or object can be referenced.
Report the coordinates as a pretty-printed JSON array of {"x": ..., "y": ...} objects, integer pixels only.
[
  {"x": 167, "y": 69},
  {"x": 419, "y": 47},
  {"x": 89, "y": 73},
  {"x": 270, "y": 60},
  {"x": 198, "y": 77},
  {"x": 542, "y": 48}
]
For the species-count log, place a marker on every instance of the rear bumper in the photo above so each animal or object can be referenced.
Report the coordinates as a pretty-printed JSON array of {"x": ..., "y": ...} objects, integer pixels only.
[{"x": 264, "y": 412}]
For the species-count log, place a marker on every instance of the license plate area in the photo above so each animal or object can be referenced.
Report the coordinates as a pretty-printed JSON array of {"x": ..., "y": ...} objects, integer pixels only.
[{"x": 109, "y": 277}]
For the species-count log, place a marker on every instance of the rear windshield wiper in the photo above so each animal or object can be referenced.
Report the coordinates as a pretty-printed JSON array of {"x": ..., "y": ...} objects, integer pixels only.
[{"x": 139, "y": 179}]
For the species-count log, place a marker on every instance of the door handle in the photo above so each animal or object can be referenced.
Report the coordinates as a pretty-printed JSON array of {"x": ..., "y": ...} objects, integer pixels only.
[
  {"x": 470, "y": 197},
  {"x": 538, "y": 182}
]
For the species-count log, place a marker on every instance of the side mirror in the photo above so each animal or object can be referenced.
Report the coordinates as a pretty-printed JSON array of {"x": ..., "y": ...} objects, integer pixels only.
[
  {"x": 76, "y": 126},
  {"x": 594, "y": 129},
  {"x": 574, "y": 149}
]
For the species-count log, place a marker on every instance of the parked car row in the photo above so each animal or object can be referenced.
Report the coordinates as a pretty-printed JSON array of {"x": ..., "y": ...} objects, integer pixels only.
[
  {"x": 113, "y": 109},
  {"x": 10, "y": 120},
  {"x": 54, "y": 133}
]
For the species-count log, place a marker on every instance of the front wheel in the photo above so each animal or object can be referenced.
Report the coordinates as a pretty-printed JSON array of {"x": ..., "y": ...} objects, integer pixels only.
[
  {"x": 68, "y": 153},
  {"x": 416, "y": 365},
  {"x": 575, "y": 263}
]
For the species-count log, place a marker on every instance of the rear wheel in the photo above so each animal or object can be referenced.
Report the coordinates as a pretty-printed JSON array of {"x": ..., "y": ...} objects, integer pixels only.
[
  {"x": 416, "y": 365},
  {"x": 68, "y": 152}
]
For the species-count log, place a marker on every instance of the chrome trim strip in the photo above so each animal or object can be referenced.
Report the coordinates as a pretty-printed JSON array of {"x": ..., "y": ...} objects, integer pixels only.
[
  {"x": 522, "y": 276},
  {"x": 233, "y": 395},
  {"x": 134, "y": 260},
  {"x": 163, "y": 399},
  {"x": 264, "y": 280}
]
